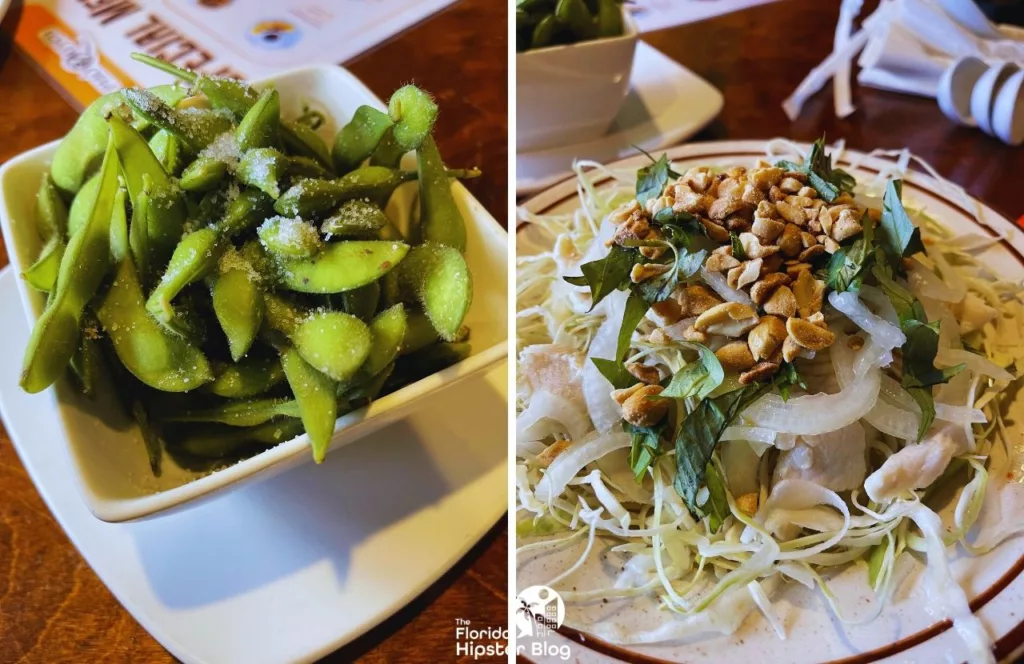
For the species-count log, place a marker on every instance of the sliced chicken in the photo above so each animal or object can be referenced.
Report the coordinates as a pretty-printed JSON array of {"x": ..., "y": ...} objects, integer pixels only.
[
  {"x": 553, "y": 368},
  {"x": 835, "y": 460},
  {"x": 916, "y": 466}
]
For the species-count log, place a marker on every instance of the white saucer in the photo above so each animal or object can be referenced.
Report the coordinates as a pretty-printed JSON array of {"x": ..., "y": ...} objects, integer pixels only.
[
  {"x": 289, "y": 569},
  {"x": 666, "y": 104}
]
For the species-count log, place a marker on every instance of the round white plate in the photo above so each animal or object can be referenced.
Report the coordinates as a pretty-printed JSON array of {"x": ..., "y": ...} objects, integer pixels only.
[
  {"x": 292, "y": 568},
  {"x": 666, "y": 104},
  {"x": 905, "y": 632}
]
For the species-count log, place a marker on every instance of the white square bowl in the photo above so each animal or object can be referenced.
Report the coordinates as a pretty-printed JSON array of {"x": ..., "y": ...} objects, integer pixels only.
[
  {"x": 107, "y": 451},
  {"x": 571, "y": 93}
]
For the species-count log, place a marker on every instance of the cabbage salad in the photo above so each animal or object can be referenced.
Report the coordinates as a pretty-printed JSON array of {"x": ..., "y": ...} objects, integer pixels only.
[{"x": 750, "y": 376}]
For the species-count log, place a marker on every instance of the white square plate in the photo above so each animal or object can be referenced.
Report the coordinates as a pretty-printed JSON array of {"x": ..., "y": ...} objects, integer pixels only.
[
  {"x": 111, "y": 465},
  {"x": 287, "y": 570}
]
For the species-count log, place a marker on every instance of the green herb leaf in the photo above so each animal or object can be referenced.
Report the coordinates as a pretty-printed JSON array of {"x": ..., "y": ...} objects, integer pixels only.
[
  {"x": 635, "y": 310},
  {"x": 899, "y": 236},
  {"x": 907, "y": 306},
  {"x": 717, "y": 507},
  {"x": 738, "y": 252},
  {"x": 614, "y": 372},
  {"x": 651, "y": 180},
  {"x": 848, "y": 265},
  {"x": 699, "y": 433},
  {"x": 645, "y": 449},
  {"x": 606, "y": 275},
  {"x": 696, "y": 379},
  {"x": 926, "y": 402},
  {"x": 787, "y": 378},
  {"x": 677, "y": 227},
  {"x": 828, "y": 181},
  {"x": 660, "y": 288}
]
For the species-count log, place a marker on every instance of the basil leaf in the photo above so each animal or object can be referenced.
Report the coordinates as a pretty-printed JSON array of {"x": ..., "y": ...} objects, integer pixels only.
[
  {"x": 699, "y": 433},
  {"x": 645, "y": 449},
  {"x": 848, "y": 265},
  {"x": 738, "y": 252},
  {"x": 696, "y": 379},
  {"x": 651, "y": 180},
  {"x": 614, "y": 372},
  {"x": 787, "y": 378},
  {"x": 926, "y": 402},
  {"x": 827, "y": 181},
  {"x": 907, "y": 306},
  {"x": 605, "y": 275},
  {"x": 900, "y": 237},
  {"x": 717, "y": 507},
  {"x": 635, "y": 310},
  {"x": 661, "y": 287}
]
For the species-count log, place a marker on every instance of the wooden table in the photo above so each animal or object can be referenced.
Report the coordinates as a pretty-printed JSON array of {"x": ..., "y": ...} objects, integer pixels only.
[
  {"x": 758, "y": 56},
  {"x": 53, "y": 608}
]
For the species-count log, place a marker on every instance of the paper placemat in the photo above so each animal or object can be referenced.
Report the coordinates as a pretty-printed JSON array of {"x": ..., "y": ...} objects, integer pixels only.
[{"x": 84, "y": 45}]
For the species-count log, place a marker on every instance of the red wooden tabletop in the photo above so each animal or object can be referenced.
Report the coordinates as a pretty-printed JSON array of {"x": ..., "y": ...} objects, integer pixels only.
[{"x": 53, "y": 608}]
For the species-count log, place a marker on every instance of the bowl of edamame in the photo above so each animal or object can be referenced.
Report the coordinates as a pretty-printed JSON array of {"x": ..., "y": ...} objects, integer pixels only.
[
  {"x": 573, "y": 69},
  {"x": 227, "y": 279}
]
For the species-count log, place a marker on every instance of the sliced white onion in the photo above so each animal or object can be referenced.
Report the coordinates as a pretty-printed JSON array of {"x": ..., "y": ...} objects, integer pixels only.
[
  {"x": 977, "y": 363},
  {"x": 749, "y": 434},
  {"x": 880, "y": 302},
  {"x": 885, "y": 334},
  {"x": 816, "y": 413},
  {"x": 794, "y": 494},
  {"x": 924, "y": 282},
  {"x": 953, "y": 282},
  {"x": 570, "y": 462},
  {"x": 597, "y": 391},
  {"x": 718, "y": 283},
  {"x": 545, "y": 409}
]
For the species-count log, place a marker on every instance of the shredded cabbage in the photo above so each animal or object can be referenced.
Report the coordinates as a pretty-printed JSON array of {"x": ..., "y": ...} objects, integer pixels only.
[{"x": 711, "y": 581}]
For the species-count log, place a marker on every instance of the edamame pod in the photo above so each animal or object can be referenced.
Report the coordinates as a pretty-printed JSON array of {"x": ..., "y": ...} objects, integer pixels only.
[
  {"x": 194, "y": 258},
  {"x": 332, "y": 342},
  {"x": 388, "y": 332},
  {"x": 544, "y": 31},
  {"x": 228, "y": 93},
  {"x": 86, "y": 261},
  {"x": 362, "y": 302},
  {"x": 247, "y": 378},
  {"x": 263, "y": 168},
  {"x": 51, "y": 212},
  {"x": 289, "y": 238},
  {"x": 609, "y": 18},
  {"x": 196, "y": 129},
  {"x": 440, "y": 219},
  {"x": 301, "y": 139},
  {"x": 42, "y": 275},
  {"x": 438, "y": 278},
  {"x": 203, "y": 174},
  {"x": 311, "y": 198},
  {"x": 315, "y": 393},
  {"x": 241, "y": 413},
  {"x": 218, "y": 443},
  {"x": 574, "y": 15},
  {"x": 82, "y": 205},
  {"x": 137, "y": 159},
  {"x": 413, "y": 113},
  {"x": 87, "y": 362},
  {"x": 156, "y": 357},
  {"x": 82, "y": 148},
  {"x": 238, "y": 303},
  {"x": 119, "y": 245},
  {"x": 342, "y": 266},
  {"x": 355, "y": 219},
  {"x": 419, "y": 333},
  {"x": 388, "y": 152},
  {"x": 167, "y": 148},
  {"x": 359, "y": 138},
  {"x": 260, "y": 128}
]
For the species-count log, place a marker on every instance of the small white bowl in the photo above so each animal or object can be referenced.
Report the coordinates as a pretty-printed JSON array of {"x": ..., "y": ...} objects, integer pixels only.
[
  {"x": 570, "y": 94},
  {"x": 1008, "y": 110},
  {"x": 107, "y": 452},
  {"x": 985, "y": 91},
  {"x": 955, "y": 87}
]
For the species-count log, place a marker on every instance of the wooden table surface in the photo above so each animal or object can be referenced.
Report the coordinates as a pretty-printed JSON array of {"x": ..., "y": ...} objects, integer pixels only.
[{"x": 53, "y": 608}]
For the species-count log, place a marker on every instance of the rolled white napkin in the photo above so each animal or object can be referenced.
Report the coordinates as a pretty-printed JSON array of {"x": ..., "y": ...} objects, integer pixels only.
[{"x": 905, "y": 46}]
